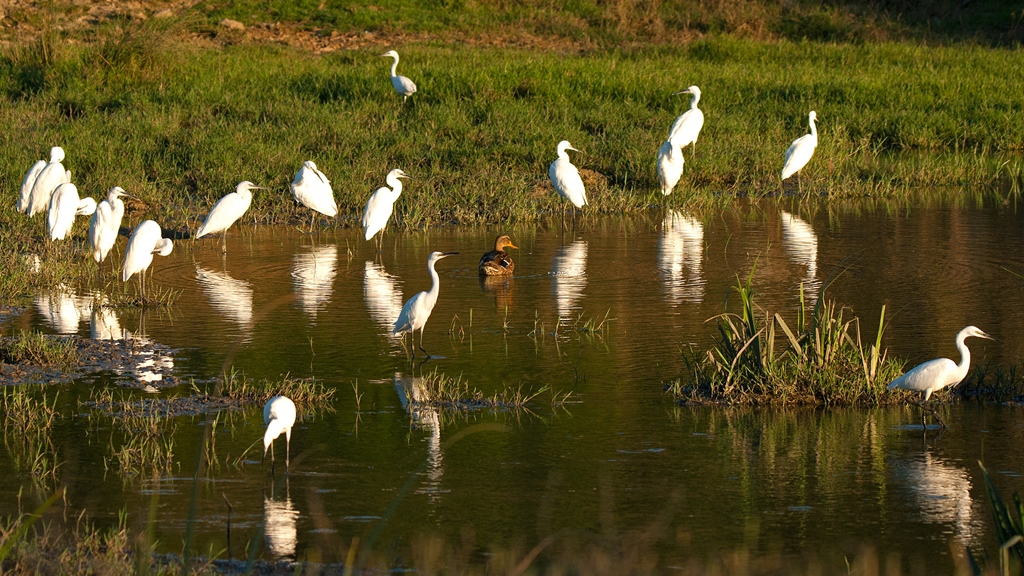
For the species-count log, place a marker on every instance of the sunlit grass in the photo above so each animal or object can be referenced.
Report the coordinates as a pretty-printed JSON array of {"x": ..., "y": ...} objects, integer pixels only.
[
  {"x": 308, "y": 393},
  {"x": 29, "y": 346}
]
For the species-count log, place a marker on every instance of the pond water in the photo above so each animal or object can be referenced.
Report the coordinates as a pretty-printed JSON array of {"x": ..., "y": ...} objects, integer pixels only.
[{"x": 617, "y": 474}]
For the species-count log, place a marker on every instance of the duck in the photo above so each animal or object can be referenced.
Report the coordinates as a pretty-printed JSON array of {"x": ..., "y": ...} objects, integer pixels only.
[{"x": 497, "y": 262}]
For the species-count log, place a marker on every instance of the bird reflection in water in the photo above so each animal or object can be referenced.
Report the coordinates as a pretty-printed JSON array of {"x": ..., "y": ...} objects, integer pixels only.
[
  {"x": 501, "y": 287},
  {"x": 569, "y": 272},
  {"x": 313, "y": 277},
  {"x": 801, "y": 244},
  {"x": 280, "y": 526},
  {"x": 681, "y": 255},
  {"x": 941, "y": 492},
  {"x": 412, "y": 395},
  {"x": 63, "y": 310},
  {"x": 383, "y": 295},
  {"x": 151, "y": 362},
  {"x": 230, "y": 297},
  {"x": 104, "y": 324}
]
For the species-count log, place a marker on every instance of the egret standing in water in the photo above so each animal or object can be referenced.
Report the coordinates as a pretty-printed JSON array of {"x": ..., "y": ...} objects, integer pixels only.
[
  {"x": 566, "y": 179},
  {"x": 801, "y": 150},
  {"x": 934, "y": 375},
  {"x": 403, "y": 85},
  {"x": 146, "y": 240},
  {"x": 278, "y": 416},
  {"x": 64, "y": 206},
  {"x": 227, "y": 211},
  {"x": 313, "y": 190},
  {"x": 686, "y": 128},
  {"x": 417, "y": 309},
  {"x": 380, "y": 206},
  {"x": 670, "y": 166},
  {"x": 106, "y": 225},
  {"x": 51, "y": 176}
]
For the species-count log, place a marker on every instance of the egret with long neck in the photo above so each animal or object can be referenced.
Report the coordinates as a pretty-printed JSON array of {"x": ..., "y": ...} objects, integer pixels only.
[
  {"x": 380, "y": 206},
  {"x": 403, "y": 86},
  {"x": 566, "y": 179},
  {"x": 106, "y": 224},
  {"x": 686, "y": 128},
  {"x": 801, "y": 150},
  {"x": 417, "y": 309}
]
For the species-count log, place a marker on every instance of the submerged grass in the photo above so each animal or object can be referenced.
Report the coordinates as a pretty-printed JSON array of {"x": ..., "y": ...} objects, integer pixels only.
[
  {"x": 29, "y": 415},
  {"x": 440, "y": 391},
  {"x": 29, "y": 346}
]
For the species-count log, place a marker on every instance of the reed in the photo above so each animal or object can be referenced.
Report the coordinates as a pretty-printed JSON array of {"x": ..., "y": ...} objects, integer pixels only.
[{"x": 1009, "y": 527}]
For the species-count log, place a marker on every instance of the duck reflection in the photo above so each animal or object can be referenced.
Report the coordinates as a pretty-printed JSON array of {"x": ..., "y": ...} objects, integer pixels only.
[
  {"x": 63, "y": 310},
  {"x": 681, "y": 254},
  {"x": 104, "y": 324},
  {"x": 569, "y": 269},
  {"x": 280, "y": 526},
  {"x": 313, "y": 277},
  {"x": 501, "y": 287},
  {"x": 383, "y": 295},
  {"x": 801, "y": 244},
  {"x": 941, "y": 492},
  {"x": 228, "y": 296},
  {"x": 412, "y": 395}
]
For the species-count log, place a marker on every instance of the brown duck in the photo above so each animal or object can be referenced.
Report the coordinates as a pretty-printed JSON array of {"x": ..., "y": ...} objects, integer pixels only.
[{"x": 497, "y": 262}]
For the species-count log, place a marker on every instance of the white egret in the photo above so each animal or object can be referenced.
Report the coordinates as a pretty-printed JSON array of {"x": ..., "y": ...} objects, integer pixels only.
[
  {"x": 380, "y": 206},
  {"x": 51, "y": 176},
  {"x": 106, "y": 224},
  {"x": 417, "y": 309},
  {"x": 402, "y": 85},
  {"x": 64, "y": 206},
  {"x": 146, "y": 240},
  {"x": 934, "y": 375},
  {"x": 313, "y": 190},
  {"x": 566, "y": 179},
  {"x": 686, "y": 128},
  {"x": 278, "y": 416},
  {"x": 28, "y": 181},
  {"x": 801, "y": 150},
  {"x": 227, "y": 210},
  {"x": 670, "y": 166}
]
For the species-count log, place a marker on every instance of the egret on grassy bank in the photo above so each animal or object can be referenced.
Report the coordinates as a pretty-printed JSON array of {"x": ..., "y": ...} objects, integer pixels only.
[
  {"x": 29, "y": 180},
  {"x": 686, "y": 128},
  {"x": 146, "y": 240},
  {"x": 51, "y": 176},
  {"x": 403, "y": 85},
  {"x": 497, "y": 262},
  {"x": 934, "y": 375},
  {"x": 417, "y": 310},
  {"x": 64, "y": 206},
  {"x": 801, "y": 150},
  {"x": 313, "y": 190},
  {"x": 227, "y": 211},
  {"x": 106, "y": 224},
  {"x": 278, "y": 416},
  {"x": 566, "y": 179},
  {"x": 380, "y": 206},
  {"x": 670, "y": 166}
]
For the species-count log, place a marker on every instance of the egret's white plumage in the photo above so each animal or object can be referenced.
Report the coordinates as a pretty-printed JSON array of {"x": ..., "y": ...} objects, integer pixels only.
[
  {"x": 51, "y": 176},
  {"x": 146, "y": 240},
  {"x": 670, "y": 166},
  {"x": 228, "y": 209},
  {"x": 402, "y": 85},
  {"x": 801, "y": 150},
  {"x": 935, "y": 375},
  {"x": 313, "y": 190},
  {"x": 279, "y": 416},
  {"x": 686, "y": 128},
  {"x": 106, "y": 224},
  {"x": 382, "y": 203},
  {"x": 26, "y": 184},
  {"x": 566, "y": 178},
  {"x": 64, "y": 206},
  {"x": 417, "y": 309}
]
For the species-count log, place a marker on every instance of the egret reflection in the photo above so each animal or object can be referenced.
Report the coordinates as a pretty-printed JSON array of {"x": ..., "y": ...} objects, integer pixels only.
[
  {"x": 681, "y": 257},
  {"x": 412, "y": 396},
  {"x": 280, "y": 527},
  {"x": 313, "y": 277},
  {"x": 230, "y": 297},
  {"x": 569, "y": 271},
  {"x": 801, "y": 244},
  {"x": 383, "y": 295},
  {"x": 104, "y": 324},
  {"x": 63, "y": 310},
  {"x": 941, "y": 493}
]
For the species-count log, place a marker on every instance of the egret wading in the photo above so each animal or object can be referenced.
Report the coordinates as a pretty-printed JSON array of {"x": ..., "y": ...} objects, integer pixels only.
[
  {"x": 380, "y": 206},
  {"x": 64, "y": 206},
  {"x": 278, "y": 416},
  {"x": 51, "y": 176},
  {"x": 403, "y": 86},
  {"x": 417, "y": 309},
  {"x": 313, "y": 190},
  {"x": 670, "y": 166},
  {"x": 497, "y": 262},
  {"x": 934, "y": 375},
  {"x": 686, "y": 128},
  {"x": 227, "y": 211},
  {"x": 801, "y": 150},
  {"x": 106, "y": 225},
  {"x": 566, "y": 179},
  {"x": 146, "y": 240}
]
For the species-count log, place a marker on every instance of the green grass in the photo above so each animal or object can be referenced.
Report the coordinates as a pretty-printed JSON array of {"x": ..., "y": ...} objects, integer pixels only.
[
  {"x": 440, "y": 391},
  {"x": 307, "y": 393},
  {"x": 29, "y": 415},
  {"x": 28, "y": 346}
]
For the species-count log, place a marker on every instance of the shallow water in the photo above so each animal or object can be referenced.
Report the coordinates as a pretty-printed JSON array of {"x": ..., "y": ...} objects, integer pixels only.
[{"x": 618, "y": 467}]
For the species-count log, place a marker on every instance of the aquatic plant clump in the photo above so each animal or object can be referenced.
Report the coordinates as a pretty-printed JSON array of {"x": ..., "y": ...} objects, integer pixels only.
[
  {"x": 38, "y": 348},
  {"x": 758, "y": 358},
  {"x": 308, "y": 392}
]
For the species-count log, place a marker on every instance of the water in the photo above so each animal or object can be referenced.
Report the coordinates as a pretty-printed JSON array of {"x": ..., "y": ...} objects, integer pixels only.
[{"x": 618, "y": 470}]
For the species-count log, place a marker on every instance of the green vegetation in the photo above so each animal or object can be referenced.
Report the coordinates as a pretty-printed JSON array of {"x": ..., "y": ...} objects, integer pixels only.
[
  {"x": 38, "y": 348},
  {"x": 308, "y": 393},
  {"x": 823, "y": 359},
  {"x": 1009, "y": 523},
  {"x": 439, "y": 391},
  {"x": 29, "y": 415}
]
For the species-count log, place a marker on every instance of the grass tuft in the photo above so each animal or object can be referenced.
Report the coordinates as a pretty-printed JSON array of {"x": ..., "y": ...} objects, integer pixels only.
[
  {"x": 29, "y": 346},
  {"x": 309, "y": 393}
]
